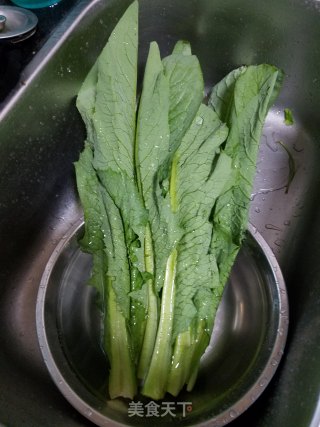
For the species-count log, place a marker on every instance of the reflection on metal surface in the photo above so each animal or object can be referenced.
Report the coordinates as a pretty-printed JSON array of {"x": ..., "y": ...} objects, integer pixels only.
[
  {"x": 2, "y": 22},
  {"x": 16, "y": 22}
]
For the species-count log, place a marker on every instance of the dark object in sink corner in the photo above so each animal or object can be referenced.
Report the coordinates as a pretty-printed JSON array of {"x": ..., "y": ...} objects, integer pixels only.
[{"x": 10, "y": 67}]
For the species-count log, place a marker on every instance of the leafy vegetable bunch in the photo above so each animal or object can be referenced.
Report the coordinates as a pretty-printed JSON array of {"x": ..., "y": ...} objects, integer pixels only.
[{"x": 165, "y": 183}]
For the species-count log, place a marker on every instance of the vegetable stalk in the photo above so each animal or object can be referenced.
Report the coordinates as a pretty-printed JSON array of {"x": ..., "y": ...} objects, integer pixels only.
[
  {"x": 156, "y": 380},
  {"x": 122, "y": 379}
]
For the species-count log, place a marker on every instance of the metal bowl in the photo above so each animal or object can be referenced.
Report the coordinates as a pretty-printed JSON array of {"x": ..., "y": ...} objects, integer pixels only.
[{"x": 246, "y": 346}]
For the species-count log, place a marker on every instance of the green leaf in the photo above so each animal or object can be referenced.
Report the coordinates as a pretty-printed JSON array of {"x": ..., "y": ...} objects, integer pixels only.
[
  {"x": 202, "y": 172},
  {"x": 104, "y": 239},
  {"x": 222, "y": 94},
  {"x": 124, "y": 193},
  {"x": 288, "y": 117},
  {"x": 90, "y": 196},
  {"x": 152, "y": 139},
  {"x": 94, "y": 214},
  {"x": 104, "y": 233},
  {"x": 254, "y": 90},
  {"x": 115, "y": 105},
  {"x": 182, "y": 47},
  {"x": 86, "y": 101},
  {"x": 116, "y": 253},
  {"x": 184, "y": 76},
  {"x": 186, "y": 89}
]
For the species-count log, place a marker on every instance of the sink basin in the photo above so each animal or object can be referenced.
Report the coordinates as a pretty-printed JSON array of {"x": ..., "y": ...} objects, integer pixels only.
[{"x": 41, "y": 135}]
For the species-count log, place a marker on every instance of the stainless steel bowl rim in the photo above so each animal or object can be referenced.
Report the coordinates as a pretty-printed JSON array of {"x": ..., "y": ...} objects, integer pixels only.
[{"x": 223, "y": 418}]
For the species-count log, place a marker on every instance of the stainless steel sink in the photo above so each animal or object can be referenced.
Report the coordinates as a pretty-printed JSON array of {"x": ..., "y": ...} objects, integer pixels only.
[{"x": 41, "y": 135}]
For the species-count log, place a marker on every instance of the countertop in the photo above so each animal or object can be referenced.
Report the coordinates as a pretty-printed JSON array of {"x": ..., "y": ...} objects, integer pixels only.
[{"x": 15, "y": 56}]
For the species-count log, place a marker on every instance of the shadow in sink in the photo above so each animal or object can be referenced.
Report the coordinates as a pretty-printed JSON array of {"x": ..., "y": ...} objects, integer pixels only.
[{"x": 41, "y": 135}]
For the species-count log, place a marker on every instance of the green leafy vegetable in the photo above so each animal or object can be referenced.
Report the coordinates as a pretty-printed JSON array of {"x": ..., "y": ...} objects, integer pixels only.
[
  {"x": 165, "y": 187},
  {"x": 253, "y": 92},
  {"x": 288, "y": 117},
  {"x": 107, "y": 104}
]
